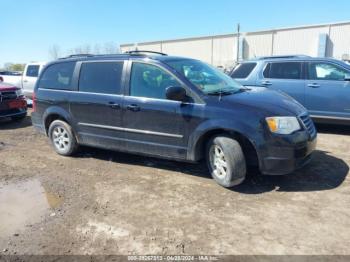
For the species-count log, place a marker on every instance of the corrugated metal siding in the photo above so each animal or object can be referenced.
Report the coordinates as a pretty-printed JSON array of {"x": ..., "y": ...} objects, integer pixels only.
[
  {"x": 258, "y": 45},
  {"x": 299, "y": 41},
  {"x": 339, "y": 41},
  {"x": 150, "y": 47},
  {"x": 224, "y": 51},
  {"x": 198, "y": 49},
  {"x": 221, "y": 50}
]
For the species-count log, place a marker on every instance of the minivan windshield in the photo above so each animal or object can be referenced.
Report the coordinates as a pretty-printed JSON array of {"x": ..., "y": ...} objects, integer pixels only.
[{"x": 208, "y": 79}]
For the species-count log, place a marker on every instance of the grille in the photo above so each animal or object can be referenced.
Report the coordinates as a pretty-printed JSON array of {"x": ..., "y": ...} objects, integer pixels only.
[
  {"x": 309, "y": 125},
  {"x": 7, "y": 95}
]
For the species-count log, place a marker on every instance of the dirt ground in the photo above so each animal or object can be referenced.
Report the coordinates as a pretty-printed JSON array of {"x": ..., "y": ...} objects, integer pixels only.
[{"x": 103, "y": 202}]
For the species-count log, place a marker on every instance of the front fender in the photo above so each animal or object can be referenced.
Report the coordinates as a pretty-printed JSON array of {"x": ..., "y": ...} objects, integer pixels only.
[{"x": 252, "y": 134}]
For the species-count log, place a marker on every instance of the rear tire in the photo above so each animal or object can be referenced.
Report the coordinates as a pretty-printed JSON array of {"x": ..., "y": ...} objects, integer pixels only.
[
  {"x": 62, "y": 138},
  {"x": 226, "y": 161}
]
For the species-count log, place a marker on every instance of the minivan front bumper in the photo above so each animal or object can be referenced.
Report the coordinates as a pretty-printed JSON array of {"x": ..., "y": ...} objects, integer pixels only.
[{"x": 285, "y": 155}]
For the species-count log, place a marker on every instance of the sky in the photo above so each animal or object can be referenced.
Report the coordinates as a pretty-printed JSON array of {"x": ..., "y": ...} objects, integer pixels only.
[{"x": 29, "y": 28}]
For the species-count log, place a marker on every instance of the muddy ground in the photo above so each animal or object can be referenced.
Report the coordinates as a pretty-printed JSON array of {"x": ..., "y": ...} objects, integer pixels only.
[{"x": 103, "y": 202}]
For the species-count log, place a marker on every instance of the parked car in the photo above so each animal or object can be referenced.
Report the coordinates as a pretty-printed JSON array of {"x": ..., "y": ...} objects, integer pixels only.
[
  {"x": 171, "y": 107},
  {"x": 27, "y": 80},
  {"x": 322, "y": 85},
  {"x": 12, "y": 102}
]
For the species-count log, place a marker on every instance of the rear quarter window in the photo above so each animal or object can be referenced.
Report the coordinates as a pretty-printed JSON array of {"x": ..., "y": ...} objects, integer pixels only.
[
  {"x": 243, "y": 70},
  {"x": 58, "y": 76}
]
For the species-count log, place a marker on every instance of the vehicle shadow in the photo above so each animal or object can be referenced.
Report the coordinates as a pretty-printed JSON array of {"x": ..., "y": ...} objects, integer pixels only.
[
  {"x": 333, "y": 129},
  {"x": 325, "y": 172},
  {"x": 193, "y": 169},
  {"x": 8, "y": 124}
]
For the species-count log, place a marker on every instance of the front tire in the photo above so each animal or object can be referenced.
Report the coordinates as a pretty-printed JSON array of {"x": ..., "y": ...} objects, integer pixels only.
[
  {"x": 62, "y": 138},
  {"x": 226, "y": 161}
]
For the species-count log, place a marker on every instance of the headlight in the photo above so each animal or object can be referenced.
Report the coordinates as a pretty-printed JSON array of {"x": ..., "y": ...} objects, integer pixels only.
[
  {"x": 19, "y": 92},
  {"x": 283, "y": 125}
]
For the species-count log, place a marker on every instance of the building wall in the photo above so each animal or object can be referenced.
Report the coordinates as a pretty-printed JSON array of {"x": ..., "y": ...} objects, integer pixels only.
[
  {"x": 339, "y": 40},
  {"x": 258, "y": 45},
  {"x": 197, "y": 48},
  {"x": 221, "y": 50},
  {"x": 298, "y": 41},
  {"x": 224, "y": 51}
]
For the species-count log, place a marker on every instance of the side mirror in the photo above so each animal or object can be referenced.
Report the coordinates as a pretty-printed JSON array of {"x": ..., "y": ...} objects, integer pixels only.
[{"x": 176, "y": 93}]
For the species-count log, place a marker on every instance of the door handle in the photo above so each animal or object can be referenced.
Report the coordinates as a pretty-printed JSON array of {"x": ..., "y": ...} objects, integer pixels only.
[
  {"x": 25, "y": 81},
  {"x": 133, "y": 107},
  {"x": 313, "y": 85},
  {"x": 114, "y": 105},
  {"x": 266, "y": 83}
]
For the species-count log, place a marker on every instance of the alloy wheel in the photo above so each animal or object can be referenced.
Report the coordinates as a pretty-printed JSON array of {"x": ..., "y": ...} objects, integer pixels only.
[
  {"x": 60, "y": 138},
  {"x": 218, "y": 161}
]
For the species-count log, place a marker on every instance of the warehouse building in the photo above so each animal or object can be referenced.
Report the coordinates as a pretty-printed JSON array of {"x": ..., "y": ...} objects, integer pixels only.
[{"x": 324, "y": 40}]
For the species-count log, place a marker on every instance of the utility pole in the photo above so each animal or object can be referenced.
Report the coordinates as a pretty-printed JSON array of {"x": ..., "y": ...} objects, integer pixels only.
[{"x": 238, "y": 36}]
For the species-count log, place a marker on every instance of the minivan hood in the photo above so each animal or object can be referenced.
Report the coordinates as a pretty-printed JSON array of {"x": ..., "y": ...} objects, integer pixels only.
[{"x": 272, "y": 103}]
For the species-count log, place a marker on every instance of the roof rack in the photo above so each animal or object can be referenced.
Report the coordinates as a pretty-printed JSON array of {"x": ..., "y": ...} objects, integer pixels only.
[
  {"x": 144, "y": 51},
  {"x": 77, "y": 55},
  {"x": 283, "y": 56},
  {"x": 135, "y": 52}
]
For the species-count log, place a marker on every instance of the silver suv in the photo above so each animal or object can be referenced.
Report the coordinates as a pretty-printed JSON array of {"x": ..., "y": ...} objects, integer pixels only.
[{"x": 322, "y": 85}]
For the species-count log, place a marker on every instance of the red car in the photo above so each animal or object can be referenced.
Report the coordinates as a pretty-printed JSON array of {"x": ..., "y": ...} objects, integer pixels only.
[{"x": 12, "y": 102}]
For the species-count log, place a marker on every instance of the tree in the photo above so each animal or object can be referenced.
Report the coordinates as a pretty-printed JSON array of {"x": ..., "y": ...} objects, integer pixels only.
[
  {"x": 106, "y": 48},
  {"x": 18, "y": 67},
  {"x": 86, "y": 49},
  {"x": 7, "y": 66},
  {"x": 14, "y": 67},
  {"x": 97, "y": 49},
  {"x": 54, "y": 52},
  {"x": 111, "y": 48},
  {"x": 77, "y": 50}
]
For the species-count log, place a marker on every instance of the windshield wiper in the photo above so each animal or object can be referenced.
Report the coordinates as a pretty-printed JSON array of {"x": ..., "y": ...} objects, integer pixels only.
[
  {"x": 221, "y": 92},
  {"x": 241, "y": 90}
]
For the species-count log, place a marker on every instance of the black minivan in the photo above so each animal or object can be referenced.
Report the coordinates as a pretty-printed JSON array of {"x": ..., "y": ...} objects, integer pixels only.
[{"x": 171, "y": 107}]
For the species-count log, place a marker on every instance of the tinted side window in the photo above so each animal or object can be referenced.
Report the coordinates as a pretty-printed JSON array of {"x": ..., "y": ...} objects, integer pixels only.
[
  {"x": 32, "y": 71},
  {"x": 243, "y": 70},
  {"x": 101, "y": 77},
  {"x": 326, "y": 71},
  {"x": 285, "y": 70},
  {"x": 150, "y": 81},
  {"x": 58, "y": 76}
]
